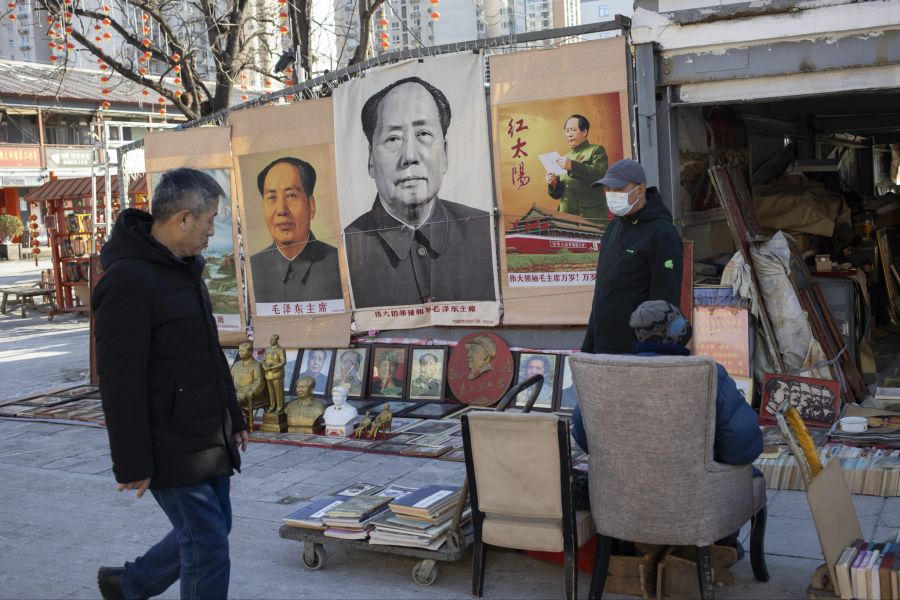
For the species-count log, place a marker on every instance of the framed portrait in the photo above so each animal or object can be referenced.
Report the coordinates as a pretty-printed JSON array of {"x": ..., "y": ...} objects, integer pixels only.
[
  {"x": 231, "y": 355},
  {"x": 533, "y": 363},
  {"x": 427, "y": 367},
  {"x": 817, "y": 400},
  {"x": 397, "y": 406},
  {"x": 290, "y": 366},
  {"x": 316, "y": 363},
  {"x": 388, "y": 371},
  {"x": 350, "y": 368},
  {"x": 568, "y": 395}
]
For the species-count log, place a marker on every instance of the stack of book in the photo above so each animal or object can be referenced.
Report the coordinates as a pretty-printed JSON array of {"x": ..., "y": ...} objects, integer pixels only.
[
  {"x": 868, "y": 571},
  {"x": 869, "y": 471},
  {"x": 420, "y": 519},
  {"x": 352, "y": 518},
  {"x": 311, "y": 515}
]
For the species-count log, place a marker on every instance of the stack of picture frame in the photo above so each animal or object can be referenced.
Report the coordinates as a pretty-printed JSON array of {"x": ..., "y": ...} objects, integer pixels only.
[{"x": 413, "y": 378}]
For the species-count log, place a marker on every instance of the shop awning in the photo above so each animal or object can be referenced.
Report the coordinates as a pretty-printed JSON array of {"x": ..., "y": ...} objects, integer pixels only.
[{"x": 80, "y": 187}]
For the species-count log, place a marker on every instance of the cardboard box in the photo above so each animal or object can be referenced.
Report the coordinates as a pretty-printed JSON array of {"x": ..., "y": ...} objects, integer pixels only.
[{"x": 823, "y": 262}]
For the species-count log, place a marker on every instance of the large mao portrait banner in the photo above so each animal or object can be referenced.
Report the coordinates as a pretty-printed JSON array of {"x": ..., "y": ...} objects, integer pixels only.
[
  {"x": 208, "y": 149},
  {"x": 415, "y": 194},
  {"x": 555, "y": 132},
  {"x": 284, "y": 157}
]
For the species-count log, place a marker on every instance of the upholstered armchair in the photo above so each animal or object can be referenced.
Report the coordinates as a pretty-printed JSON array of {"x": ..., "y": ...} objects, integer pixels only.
[{"x": 651, "y": 425}]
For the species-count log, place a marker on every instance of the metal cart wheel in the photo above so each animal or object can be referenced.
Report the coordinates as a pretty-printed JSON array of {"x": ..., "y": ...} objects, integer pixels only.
[
  {"x": 425, "y": 572},
  {"x": 314, "y": 556}
]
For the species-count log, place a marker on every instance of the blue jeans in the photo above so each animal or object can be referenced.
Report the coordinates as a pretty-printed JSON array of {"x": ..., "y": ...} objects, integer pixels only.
[{"x": 195, "y": 551}]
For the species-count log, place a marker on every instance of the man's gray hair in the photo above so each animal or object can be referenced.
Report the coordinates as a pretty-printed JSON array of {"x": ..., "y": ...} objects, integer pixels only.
[{"x": 184, "y": 189}]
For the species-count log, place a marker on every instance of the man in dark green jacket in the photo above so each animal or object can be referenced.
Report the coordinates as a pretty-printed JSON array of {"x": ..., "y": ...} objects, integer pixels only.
[{"x": 584, "y": 164}]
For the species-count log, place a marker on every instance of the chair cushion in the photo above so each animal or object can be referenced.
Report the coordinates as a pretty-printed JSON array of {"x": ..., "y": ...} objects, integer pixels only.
[{"x": 534, "y": 533}]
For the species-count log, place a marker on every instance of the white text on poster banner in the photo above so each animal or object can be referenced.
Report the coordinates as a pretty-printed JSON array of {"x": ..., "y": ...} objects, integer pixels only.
[
  {"x": 292, "y": 309},
  {"x": 551, "y": 279}
]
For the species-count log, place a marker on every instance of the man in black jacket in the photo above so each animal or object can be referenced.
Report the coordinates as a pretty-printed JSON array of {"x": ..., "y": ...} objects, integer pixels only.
[
  {"x": 640, "y": 259},
  {"x": 172, "y": 416}
]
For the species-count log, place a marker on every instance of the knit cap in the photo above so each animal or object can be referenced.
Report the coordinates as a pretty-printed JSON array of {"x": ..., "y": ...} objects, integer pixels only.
[{"x": 659, "y": 321}]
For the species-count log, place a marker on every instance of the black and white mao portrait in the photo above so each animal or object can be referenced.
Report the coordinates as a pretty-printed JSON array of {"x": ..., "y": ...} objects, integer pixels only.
[{"x": 414, "y": 184}]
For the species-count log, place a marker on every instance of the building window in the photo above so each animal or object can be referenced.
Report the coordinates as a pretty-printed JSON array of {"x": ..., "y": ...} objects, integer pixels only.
[{"x": 603, "y": 10}]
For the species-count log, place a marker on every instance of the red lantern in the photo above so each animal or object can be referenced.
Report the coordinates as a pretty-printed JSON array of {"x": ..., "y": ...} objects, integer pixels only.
[
  {"x": 244, "y": 97},
  {"x": 283, "y": 29},
  {"x": 107, "y": 22},
  {"x": 162, "y": 111},
  {"x": 178, "y": 93},
  {"x": 145, "y": 43},
  {"x": 177, "y": 68},
  {"x": 51, "y": 45},
  {"x": 52, "y": 58},
  {"x": 176, "y": 57},
  {"x": 288, "y": 82},
  {"x": 384, "y": 35},
  {"x": 69, "y": 29},
  {"x": 106, "y": 35},
  {"x": 385, "y": 44},
  {"x": 383, "y": 22},
  {"x": 36, "y": 251},
  {"x": 177, "y": 81},
  {"x": 70, "y": 46},
  {"x": 11, "y": 17},
  {"x": 435, "y": 15},
  {"x": 11, "y": 5},
  {"x": 145, "y": 17},
  {"x": 105, "y": 105},
  {"x": 105, "y": 91},
  {"x": 161, "y": 100},
  {"x": 145, "y": 92},
  {"x": 105, "y": 78},
  {"x": 98, "y": 39},
  {"x": 97, "y": 28},
  {"x": 142, "y": 70},
  {"x": 282, "y": 15}
]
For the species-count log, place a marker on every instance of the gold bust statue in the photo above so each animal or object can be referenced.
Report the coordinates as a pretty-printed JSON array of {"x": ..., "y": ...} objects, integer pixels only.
[
  {"x": 304, "y": 414},
  {"x": 249, "y": 382}
]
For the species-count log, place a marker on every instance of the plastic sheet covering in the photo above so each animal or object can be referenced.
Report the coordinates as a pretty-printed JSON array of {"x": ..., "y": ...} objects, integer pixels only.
[
  {"x": 799, "y": 349},
  {"x": 803, "y": 206}
]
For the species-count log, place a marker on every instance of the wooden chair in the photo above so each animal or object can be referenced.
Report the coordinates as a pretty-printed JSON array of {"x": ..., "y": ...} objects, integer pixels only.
[
  {"x": 519, "y": 473},
  {"x": 650, "y": 425}
]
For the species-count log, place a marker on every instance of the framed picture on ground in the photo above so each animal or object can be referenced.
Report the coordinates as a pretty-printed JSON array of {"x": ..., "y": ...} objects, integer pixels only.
[
  {"x": 317, "y": 364},
  {"x": 532, "y": 363},
  {"x": 568, "y": 395},
  {"x": 388, "y": 371},
  {"x": 426, "y": 372},
  {"x": 350, "y": 368},
  {"x": 816, "y": 400}
]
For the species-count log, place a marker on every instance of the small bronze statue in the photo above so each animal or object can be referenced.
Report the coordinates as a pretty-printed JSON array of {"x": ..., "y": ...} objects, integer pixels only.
[
  {"x": 273, "y": 366},
  {"x": 363, "y": 426},
  {"x": 382, "y": 422},
  {"x": 249, "y": 382},
  {"x": 304, "y": 415}
]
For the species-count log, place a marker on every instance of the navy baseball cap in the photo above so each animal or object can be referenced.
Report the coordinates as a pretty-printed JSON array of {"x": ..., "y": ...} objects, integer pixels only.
[{"x": 622, "y": 173}]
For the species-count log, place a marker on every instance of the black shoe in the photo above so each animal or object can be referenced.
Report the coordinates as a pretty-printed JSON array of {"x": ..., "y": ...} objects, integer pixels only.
[{"x": 109, "y": 580}]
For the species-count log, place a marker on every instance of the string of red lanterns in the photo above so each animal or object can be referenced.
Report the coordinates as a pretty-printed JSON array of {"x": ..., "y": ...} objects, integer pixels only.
[{"x": 383, "y": 23}]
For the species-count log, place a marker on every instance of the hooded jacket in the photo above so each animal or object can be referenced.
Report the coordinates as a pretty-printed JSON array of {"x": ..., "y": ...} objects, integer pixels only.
[
  {"x": 169, "y": 400},
  {"x": 641, "y": 259}
]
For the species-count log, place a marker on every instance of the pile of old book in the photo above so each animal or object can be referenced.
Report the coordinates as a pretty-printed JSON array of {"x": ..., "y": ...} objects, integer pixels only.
[
  {"x": 869, "y": 471},
  {"x": 868, "y": 571},
  {"x": 420, "y": 519},
  {"x": 347, "y": 513}
]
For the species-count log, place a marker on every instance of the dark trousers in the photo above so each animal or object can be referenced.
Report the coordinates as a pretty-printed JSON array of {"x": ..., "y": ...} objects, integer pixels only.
[{"x": 195, "y": 551}]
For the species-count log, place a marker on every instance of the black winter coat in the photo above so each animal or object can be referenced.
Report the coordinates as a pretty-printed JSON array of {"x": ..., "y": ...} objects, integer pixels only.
[
  {"x": 168, "y": 396},
  {"x": 640, "y": 259}
]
